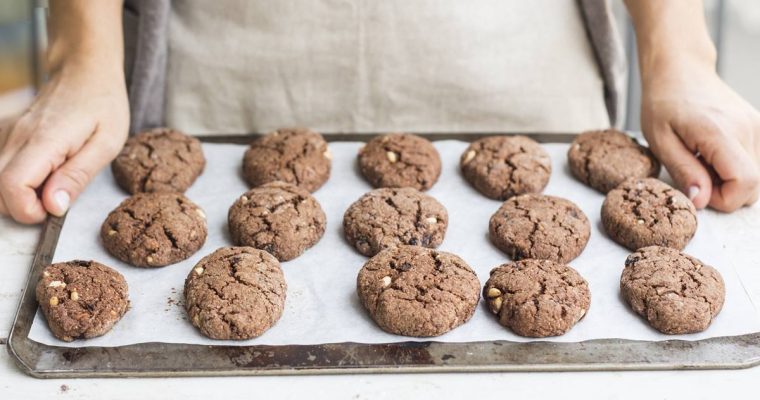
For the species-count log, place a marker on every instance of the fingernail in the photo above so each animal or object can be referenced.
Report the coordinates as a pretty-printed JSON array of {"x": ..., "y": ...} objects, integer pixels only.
[
  {"x": 693, "y": 192},
  {"x": 62, "y": 200}
]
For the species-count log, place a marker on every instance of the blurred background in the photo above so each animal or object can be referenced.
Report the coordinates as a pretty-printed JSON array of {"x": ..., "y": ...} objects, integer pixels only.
[{"x": 734, "y": 24}]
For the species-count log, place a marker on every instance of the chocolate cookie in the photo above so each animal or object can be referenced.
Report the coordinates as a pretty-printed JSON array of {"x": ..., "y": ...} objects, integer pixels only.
[
  {"x": 277, "y": 217},
  {"x": 81, "y": 299},
  {"x": 235, "y": 293},
  {"x": 675, "y": 292},
  {"x": 154, "y": 229},
  {"x": 500, "y": 167},
  {"x": 646, "y": 212},
  {"x": 400, "y": 160},
  {"x": 159, "y": 160},
  {"x": 298, "y": 156},
  {"x": 389, "y": 217},
  {"x": 540, "y": 226},
  {"x": 415, "y": 291},
  {"x": 604, "y": 159},
  {"x": 537, "y": 298}
]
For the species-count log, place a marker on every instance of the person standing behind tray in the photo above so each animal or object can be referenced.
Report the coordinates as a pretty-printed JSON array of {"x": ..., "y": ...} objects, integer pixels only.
[{"x": 362, "y": 66}]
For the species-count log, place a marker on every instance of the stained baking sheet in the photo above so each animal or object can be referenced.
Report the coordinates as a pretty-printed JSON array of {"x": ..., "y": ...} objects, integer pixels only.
[{"x": 322, "y": 306}]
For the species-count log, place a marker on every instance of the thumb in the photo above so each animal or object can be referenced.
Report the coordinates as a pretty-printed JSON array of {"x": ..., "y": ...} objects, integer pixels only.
[
  {"x": 689, "y": 174},
  {"x": 71, "y": 178}
]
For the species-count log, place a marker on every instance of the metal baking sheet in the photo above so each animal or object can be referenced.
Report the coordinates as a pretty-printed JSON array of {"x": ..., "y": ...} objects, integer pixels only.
[{"x": 165, "y": 359}]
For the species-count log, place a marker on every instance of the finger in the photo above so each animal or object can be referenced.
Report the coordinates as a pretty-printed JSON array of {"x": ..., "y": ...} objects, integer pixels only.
[
  {"x": 69, "y": 180},
  {"x": 690, "y": 176},
  {"x": 23, "y": 175}
]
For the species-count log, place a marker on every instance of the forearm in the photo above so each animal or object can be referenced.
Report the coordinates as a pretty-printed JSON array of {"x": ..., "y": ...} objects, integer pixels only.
[
  {"x": 671, "y": 35},
  {"x": 85, "y": 32}
]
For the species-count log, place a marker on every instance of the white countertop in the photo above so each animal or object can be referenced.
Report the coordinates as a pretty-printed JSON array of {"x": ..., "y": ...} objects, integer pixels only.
[{"x": 17, "y": 244}]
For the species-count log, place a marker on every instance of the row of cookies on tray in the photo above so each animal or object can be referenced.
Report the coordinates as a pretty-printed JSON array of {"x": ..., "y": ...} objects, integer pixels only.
[{"x": 162, "y": 227}]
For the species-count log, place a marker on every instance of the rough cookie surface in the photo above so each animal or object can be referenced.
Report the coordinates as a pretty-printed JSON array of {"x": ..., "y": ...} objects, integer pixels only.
[
  {"x": 540, "y": 226},
  {"x": 675, "y": 292},
  {"x": 159, "y": 160},
  {"x": 415, "y": 291},
  {"x": 235, "y": 293},
  {"x": 154, "y": 229},
  {"x": 537, "y": 298},
  {"x": 400, "y": 160},
  {"x": 81, "y": 299},
  {"x": 646, "y": 212},
  {"x": 279, "y": 218},
  {"x": 604, "y": 159},
  {"x": 500, "y": 167},
  {"x": 389, "y": 217},
  {"x": 298, "y": 156}
]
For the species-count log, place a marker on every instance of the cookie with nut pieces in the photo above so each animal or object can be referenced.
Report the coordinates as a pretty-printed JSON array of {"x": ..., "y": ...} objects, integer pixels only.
[
  {"x": 81, "y": 299},
  {"x": 416, "y": 291},
  {"x": 400, "y": 160},
  {"x": 154, "y": 229}
]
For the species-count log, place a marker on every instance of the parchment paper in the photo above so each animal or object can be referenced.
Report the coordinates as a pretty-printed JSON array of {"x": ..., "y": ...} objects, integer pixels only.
[{"x": 322, "y": 306}]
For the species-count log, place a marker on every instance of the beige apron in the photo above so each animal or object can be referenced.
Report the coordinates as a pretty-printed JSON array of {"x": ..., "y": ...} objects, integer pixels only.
[{"x": 374, "y": 66}]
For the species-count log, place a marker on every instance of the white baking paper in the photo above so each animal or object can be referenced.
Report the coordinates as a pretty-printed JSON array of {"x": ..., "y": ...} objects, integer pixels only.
[{"x": 322, "y": 306}]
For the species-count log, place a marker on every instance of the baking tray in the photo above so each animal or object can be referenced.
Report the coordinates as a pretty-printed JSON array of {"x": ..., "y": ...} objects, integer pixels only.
[{"x": 171, "y": 359}]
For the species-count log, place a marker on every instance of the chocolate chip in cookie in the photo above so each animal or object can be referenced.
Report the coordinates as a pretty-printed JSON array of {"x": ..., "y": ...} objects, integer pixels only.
[
  {"x": 389, "y": 217},
  {"x": 235, "y": 293},
  {"x": 400, "y": 160},
  {"x": 500, "y": 167},
  {"x": 159, "y": 160},
  {"x": 277, "y": 217},
  {"x": 81, "y": 299},
  {"x": 154, "y": 229},
  {"x": 537, "y": 298},
  {"x": 674, "y": 292},
  {"x": 540, "y": 226},
  {"x": 298, "y": 156},
  {"x": 604, "y": 159},
  {"x": 416, "y": 291},
  {"x": 644, "y": 212}
]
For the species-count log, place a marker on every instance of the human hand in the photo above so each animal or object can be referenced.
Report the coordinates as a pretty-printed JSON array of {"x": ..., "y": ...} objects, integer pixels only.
[
  {"x": 75, "y": 126},
  {"x": 705, "y": 134}
]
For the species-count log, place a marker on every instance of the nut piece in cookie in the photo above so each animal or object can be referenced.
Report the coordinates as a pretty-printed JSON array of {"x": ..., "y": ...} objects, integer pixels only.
[
  {"x": 540, "y": 226},
  {"x": 500, "y": 167},
  {"x": 537, "y": 298},
  {"x": 81, "y": 299},
  {"x": 389, "y": 217},
  {"x": 674, "y": 292},
  {"x": 604, "y": 159},
  {"x": 648, "y": 212},
  {"x": 154, "y": 229},
  {"x": 297, "y": 155},
  {"x": 235, "y": 293},
  {"x": 416, "y": 291},
  {"x": 277, "y": 217},
  {"x": 159, "y": 160},
  {"x": 400, "y": 160}
]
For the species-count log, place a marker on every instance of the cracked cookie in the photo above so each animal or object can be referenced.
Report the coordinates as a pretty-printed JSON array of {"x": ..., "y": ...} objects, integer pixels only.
[
  {"x": 540, "y": 226},
  {"x": 235, "y": 293},
  {"x": 390, "y": 217},
  {"x": 500, "y": 167},
  {"x": 675, "y": 292},
  {"x": 297, "y": 155},
  {"x": 81, "y": 299},
  {"x": 159, "y": 160},
  {"x": 646, "y": 212},
  {"x": 154, "y": 229},
  {"x": 537, "y": 298},
  {"x": 277, "y": 217},
  {"x": 604, "y": 159},
  {"x": 416, "y": 291},
  {"x": 400, "y": 160}
]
